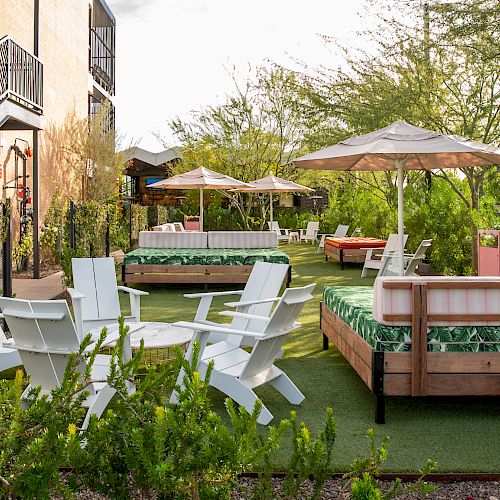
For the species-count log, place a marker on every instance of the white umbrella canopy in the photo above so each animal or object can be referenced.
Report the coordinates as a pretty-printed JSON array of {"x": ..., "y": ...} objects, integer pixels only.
[
  {"x": 273, "y": 184},
  {"x": 200, "y": 178},
  {"x": 401, "y": 146}
]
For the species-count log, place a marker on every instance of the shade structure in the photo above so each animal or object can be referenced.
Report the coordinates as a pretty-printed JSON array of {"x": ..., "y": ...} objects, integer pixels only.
[
  {"x": 272, "y": 184},
  {"x": 401, "y": 146},
  {"x": 200, "y": 178}
]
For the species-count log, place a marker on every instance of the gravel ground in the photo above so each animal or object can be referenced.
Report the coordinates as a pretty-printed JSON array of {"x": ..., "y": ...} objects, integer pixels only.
[{"x": 467, "y": 490}]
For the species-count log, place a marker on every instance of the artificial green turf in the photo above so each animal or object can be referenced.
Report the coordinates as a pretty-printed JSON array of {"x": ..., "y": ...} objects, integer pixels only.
[{"x": 460, "y": 433}]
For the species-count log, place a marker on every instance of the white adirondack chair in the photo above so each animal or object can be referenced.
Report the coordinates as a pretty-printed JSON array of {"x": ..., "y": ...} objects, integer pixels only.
[
  {"x": 95, "y": 295},
  {"x": 264, "y": 282},
  {"x": 44, "y": 336},
  {"x": 237, "y": 372},
  {"x": 310, "y": 233},
  {"x": 9, "y": 358},
  {"x": 375, "y": 257},
  {"x": 340, "y": 232},
  {"x": 283, "y": 234},
  {"x": 411, "y": 261}
]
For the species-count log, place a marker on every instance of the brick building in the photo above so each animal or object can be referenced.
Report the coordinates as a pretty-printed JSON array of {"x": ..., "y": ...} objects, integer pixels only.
[{"x": 57, "y": 61}]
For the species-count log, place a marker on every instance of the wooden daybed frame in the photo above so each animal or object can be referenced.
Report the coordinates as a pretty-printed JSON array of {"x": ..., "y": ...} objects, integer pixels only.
[
  {"x": 419, "y": 372},
  {"x": 171, "y": 274}
]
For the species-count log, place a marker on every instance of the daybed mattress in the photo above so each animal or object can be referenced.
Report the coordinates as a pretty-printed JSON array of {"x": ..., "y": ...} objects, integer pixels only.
[
  {"x": 206, "y": 256},
  {"x": 353, "y": 304},
  {"x": 355, "y": 243}
]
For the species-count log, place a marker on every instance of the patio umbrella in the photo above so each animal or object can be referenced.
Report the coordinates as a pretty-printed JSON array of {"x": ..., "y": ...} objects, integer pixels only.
[
  {"x": 401, "y": 146},
  {"x": 273, "y": 184},
  {"x": 200, "y": 178}
]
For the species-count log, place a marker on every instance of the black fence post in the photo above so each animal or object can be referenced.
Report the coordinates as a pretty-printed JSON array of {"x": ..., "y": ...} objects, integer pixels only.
[
  {"x": 72, "y": 235},
  {"x": 130, "y": 225},
  {"x": 7, "y": 253},
  {"x": 108, "y": 242}
]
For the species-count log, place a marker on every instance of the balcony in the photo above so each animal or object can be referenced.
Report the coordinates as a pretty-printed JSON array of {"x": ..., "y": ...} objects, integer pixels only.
[{"x": 21, "y": 87}]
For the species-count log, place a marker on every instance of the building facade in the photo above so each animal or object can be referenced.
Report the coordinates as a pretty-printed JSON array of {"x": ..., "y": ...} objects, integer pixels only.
[{"x": 57, "y": 65}]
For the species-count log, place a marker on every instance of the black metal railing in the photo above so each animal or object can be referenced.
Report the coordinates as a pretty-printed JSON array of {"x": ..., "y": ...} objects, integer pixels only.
[{"x": 21, "y": 75}]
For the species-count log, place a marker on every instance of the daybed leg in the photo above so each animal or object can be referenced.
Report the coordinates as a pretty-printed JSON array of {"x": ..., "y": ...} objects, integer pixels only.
[
  {"x": 205, "y": 287},
  {"x": 123, "y": 275},
  {"x": 289, "y": 277},
  {"x": 378, "y": 386},
  {"x": 325, "y": 343},
  {"x": 326, "y": 258},
  {"x": 380, "y": 409}
]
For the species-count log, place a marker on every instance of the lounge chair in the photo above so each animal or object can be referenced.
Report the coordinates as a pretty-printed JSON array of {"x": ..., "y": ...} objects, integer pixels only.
[
  {"x": 375, "y": 257},
  {"x": 264, "y": 282},
  {"x": 310, "y": 233},
  {"x": 411, "y": 261},
  {"x": 44, "y": 336},
  {"x": 283, "y": 234},
  {"x": 340, "y": 232},
  {"x": 95, "y": 295},
  {"x": 237, "y": 372}
]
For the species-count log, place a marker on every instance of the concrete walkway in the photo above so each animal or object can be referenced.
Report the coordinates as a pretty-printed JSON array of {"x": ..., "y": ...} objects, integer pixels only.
[{"x": 42, "y": 289}]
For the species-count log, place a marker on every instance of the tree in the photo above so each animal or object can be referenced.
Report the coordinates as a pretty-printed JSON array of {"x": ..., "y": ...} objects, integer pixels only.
[
  {"x": 426, "y": 70},
  {"x": 257, "y": 130},
  {"x": 86, "y": 150}
]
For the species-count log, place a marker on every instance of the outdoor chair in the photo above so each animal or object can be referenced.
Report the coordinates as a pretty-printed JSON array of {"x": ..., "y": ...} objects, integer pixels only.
[
  {"x": 375, "y": 257},
  {"x": 9, "y": 358},
  {"x": 44, "y": 336},
  {"x": 411, "y": 261},
  {"x": 95, "y": 295},
  {"x": 264, "y": 282},
  {"x": 237, "y": 372},
  {"x": 310, "y": 233},
  {"x": 283, "y": 234},
  {"x": 340, "y": 232}
]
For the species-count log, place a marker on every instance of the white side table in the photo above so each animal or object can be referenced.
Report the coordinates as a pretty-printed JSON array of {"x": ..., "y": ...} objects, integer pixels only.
[
  {"x": 159, "y": 337},
  {"x": 293, "y": 237}
]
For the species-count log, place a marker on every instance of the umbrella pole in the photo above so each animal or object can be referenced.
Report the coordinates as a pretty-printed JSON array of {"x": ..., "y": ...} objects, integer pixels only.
[
  {"x": 271, "y": 211},
  {"x": 201, "y": 210},
  {"x": 400, "y": 164}
]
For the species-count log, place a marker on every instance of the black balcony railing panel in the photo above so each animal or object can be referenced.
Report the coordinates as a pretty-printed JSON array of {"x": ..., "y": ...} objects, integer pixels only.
[{"x": 21, "y": 75}]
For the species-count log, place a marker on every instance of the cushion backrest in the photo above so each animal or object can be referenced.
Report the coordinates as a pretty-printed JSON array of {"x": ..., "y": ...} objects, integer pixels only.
[
  {"x": 168, "y": 227},
  {"x": 242, "y": 239},
  {"x": 461, "y": 298},
  {"x": 157, "y": 239},
  {"x": 96, "y": 279}
]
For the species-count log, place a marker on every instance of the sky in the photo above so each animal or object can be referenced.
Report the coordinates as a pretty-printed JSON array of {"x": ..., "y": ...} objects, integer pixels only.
[{"x": 175, "y": 56}]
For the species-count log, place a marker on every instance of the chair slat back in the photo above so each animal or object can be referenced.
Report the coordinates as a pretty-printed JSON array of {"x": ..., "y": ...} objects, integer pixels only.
[
  {"x": 274, "y": 226},
  {"x": 264, "y": 282},
  {"x": 26, "y": 331},
  {"x": 312, "y": 228},
  {"x": 392, "y": 244},
  {"x": 57, "y": 334},
  {"x": 45, "y": 369},
  {"x": 96, "y": 279},
  {"x": 417, "y": 257},
  {"x": 341, "y": 231},
  {"x": 282, "y": 321}
]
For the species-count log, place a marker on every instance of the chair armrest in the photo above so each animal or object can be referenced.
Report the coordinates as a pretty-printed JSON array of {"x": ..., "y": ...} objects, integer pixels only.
[
  {"x": 30, "y": 315},
  {"x": 211, "y": 294},
  {"x": 132, "y": 291},
  {"x": 250, "y": 302},
  {"x": 217, "y": 329},
  {"x": 235, "y": 314},
  {"x": 75, "y": 294}
]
